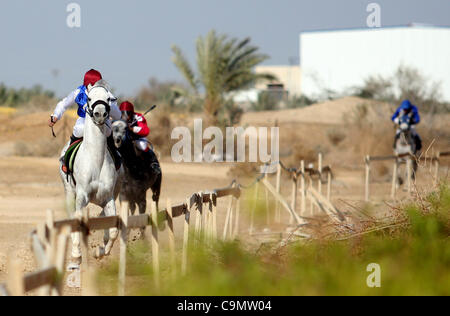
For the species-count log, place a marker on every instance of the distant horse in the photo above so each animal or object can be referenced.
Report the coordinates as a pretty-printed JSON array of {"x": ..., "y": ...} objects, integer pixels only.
[
  {"x": 139, "y": 176},
  {"x": 406, "y": 144},
  {"x": 95, "y": 178}
]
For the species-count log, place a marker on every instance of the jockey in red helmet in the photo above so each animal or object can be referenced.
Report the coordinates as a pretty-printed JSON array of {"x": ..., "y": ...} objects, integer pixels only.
[
  {"x": 80, "y": 98},
  {"x": 137, "y": 124}
]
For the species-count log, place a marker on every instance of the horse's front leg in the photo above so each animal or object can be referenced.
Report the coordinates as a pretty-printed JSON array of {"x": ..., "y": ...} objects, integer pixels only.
[
  {"x": 81, "y": 202},
  {"x": 109, "y": 210}
]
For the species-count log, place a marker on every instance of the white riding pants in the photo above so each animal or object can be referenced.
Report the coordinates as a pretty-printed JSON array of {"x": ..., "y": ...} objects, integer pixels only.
[{"x": 141, "y": 144}]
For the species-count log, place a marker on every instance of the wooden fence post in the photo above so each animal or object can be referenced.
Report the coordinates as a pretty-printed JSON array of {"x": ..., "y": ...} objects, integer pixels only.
[
  {"x": 155, "y": 243},
  {"x": 278, "y": 188},
  {"x": 60, "y": 258},
  {"x": 267, "y": 200},
  {"x": 198, "y": 217},
  {"x": 394, "y": 179},
  {"x": 236, "y": 225},
  {"x": 186, "y": 237},
  {"x": 294, "y": 196},
  {"x": 367, "y": 163},
  {"x": 123, "y": 225},
  {"x": 171, "y": 235},
  {"x": 436, "y": 168},
  {"x": 85, "y": 282},
  {"x": 16, "y": 285},
  {"x": 319, "y": 168},
  {"x": 303, "y": 188},
  {"x": 214, "y": 216},
  {"x": 409, "y": 172},
  {"x": 329, "y": 184},
  {"x": 255, "y": 205},
  {"x": 228, "y": 219}
]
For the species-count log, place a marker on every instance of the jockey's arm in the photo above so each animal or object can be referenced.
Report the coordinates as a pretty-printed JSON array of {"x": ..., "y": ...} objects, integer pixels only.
[
  {"x": 395, "y": 117},
  {"x": 141, "y": 128},
  {"x": 415, "y": 116},
  {"x": 63, "y": 105}
]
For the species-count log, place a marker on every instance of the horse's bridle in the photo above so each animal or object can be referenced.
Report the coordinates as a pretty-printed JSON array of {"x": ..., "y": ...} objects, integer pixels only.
[{"x": 90, "y": 110}]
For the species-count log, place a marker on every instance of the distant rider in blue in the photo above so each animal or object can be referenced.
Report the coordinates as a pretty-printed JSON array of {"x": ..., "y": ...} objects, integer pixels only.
[{"x": 409, "y": 114}]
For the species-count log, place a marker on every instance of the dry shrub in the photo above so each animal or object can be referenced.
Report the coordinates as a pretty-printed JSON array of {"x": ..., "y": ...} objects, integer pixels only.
[
  {"x": 381, "y": 169},
  {"x": 336, "y": 136},
  {"x": 42, "y": 148},
  {"x": 161, "y": 128},
  {"x": 244, "y": 170}
]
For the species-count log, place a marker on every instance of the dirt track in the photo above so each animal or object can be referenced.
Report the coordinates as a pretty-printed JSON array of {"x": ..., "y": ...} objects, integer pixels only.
[{"x": 30, "y": 185}]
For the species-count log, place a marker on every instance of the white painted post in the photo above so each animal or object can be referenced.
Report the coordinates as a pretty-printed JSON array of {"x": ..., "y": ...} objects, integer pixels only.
[
  {"x": 171, "y": 235},
  {"x": 303, "y": 188},
  {"x": 294, "y": 196},
  {"x": 394, "y": 179},
  {"x": 186, "y": 237},
  {"x": 329, "y": 185},
  {"x": 123, "y": 246},
  {"x": 409, "y": 173},
  {"x": 155, "y": 243},
  {"x": 267, "y": 201},
  {"x": 236, "y": 225},
  {"x": 85, "y": 279},
  {"x": 60, "y": 258},
  {"x": 367, "y": 163},
  {"x": 255, "y": 205},
  {"x": 278, "y": 188},
  {"x": 228, "y": 218},
  {"x": 16, "y": 285},
  {"x": 214, "y": 216},
  {"x": 436, "y": 168},
  {"x": 319, "y": 187}
]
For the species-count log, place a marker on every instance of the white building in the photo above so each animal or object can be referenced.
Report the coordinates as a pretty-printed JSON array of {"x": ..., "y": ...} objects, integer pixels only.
[{"x": 342, "y": 59}]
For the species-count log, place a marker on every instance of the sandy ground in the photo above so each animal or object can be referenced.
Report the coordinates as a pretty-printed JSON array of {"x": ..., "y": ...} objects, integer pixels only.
[{"x": 30, "y": 186}]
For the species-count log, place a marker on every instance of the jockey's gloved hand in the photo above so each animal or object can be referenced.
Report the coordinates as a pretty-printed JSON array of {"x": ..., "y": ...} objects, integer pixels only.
[
  {"x": 52, "y": 121},
  {"x": 397, "y": 120}
]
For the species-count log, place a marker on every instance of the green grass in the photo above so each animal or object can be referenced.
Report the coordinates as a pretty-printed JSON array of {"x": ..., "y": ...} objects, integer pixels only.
[{"x": 414, "y": 260}]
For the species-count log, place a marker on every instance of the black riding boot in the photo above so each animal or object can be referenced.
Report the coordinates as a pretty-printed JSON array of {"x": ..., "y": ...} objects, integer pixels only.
[
  {"x": 113, "y": 150},
  {"x": 73, "y": 139},
  {"x": 151, "y": 160}
]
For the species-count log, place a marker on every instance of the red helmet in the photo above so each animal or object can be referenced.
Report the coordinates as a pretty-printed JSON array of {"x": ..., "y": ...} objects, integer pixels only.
[
  {"x": 91, "y": 77},
  {"x": 127, "y": 106}
]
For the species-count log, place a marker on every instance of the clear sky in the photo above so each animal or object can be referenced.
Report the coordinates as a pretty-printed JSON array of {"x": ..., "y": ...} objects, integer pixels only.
[{"x": 129, "y": 41}]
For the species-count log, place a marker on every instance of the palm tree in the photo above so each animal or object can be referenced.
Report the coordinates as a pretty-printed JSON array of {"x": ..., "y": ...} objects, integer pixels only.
[{"x": 224, "y": 65}]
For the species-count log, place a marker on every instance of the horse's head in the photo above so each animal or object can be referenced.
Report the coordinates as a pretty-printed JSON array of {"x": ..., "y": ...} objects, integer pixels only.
[
  {"x": 98, "y": 107},
  {"x": 119, "y": 130}
]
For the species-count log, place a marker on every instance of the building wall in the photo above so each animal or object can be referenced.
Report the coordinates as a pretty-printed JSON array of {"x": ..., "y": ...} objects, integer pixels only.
[
  {"x": 289, "y": 76},
  {"x": 338, "y": 60}
]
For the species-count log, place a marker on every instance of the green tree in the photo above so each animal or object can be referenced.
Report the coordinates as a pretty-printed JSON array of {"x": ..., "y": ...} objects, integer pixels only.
[{"x": 224, "y": 65}]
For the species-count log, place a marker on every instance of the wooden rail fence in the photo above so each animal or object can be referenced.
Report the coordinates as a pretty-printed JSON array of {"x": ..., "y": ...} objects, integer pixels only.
[
  {"x": 397, "y": 160},
  {"x": 50, "y": 240}
]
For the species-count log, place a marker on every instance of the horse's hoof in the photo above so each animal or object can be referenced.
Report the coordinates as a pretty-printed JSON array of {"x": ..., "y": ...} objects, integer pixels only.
[{"x": 99, "y": 252}]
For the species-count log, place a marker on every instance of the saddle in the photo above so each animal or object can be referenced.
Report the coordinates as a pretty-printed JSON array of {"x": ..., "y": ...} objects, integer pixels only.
[{"x": 71, "y": 153}]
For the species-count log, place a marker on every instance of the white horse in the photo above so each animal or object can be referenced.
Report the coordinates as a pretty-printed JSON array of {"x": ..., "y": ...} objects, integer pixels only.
[{"x": 94, "y": 172}]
